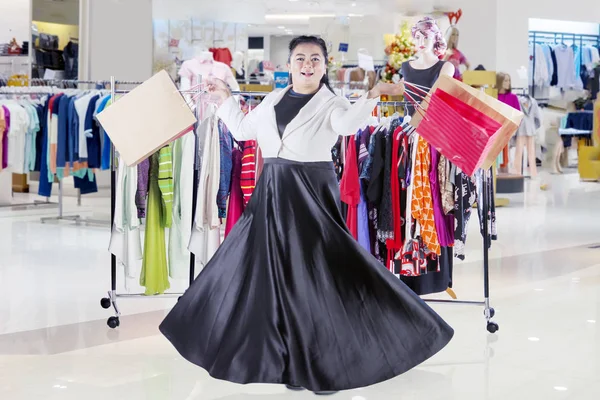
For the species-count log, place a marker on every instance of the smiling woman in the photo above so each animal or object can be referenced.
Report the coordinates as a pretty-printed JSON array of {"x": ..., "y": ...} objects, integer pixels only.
[{"x": 291, "y": 297}]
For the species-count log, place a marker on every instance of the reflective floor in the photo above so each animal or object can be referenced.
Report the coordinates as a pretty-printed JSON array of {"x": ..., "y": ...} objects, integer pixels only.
[{"x": 545, "y": 269}]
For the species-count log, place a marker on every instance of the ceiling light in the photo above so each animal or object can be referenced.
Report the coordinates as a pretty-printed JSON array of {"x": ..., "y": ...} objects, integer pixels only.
[
  {"x": 281, "y": 27},
  {"x": 560, "y": 388},
  {"x": 304, "y": 16},
  {"x": 353, "y": 4},
  {"x": 539, "y": 290},
  {"x": 591, "y": 321},
  {"x": 534, "y": 339}
]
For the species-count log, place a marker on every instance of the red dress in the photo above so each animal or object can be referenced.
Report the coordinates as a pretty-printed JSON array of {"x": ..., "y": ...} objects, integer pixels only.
[{"x": 350, "y": 187}]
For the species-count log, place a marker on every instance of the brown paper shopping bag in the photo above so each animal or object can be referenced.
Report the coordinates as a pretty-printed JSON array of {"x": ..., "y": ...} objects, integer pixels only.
[
  {"x": 508, "y": 117},
  {"x": 147, "y": 118}
]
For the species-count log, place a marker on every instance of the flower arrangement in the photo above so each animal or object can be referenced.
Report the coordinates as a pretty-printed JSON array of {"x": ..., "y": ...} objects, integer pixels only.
[{"x": 400, "y": 50}]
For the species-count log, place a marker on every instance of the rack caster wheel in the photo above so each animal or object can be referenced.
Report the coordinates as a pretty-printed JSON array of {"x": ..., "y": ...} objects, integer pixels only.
[
  {"x": 113, "y": 322},
  {"x": 492, "y": 313},
  {"x": 105, "y": 303},
  {"x": 492, "y": 327}
]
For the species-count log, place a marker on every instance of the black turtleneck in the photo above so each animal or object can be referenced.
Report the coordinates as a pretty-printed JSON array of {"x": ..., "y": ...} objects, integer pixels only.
[{"x": 289, "y": 107}]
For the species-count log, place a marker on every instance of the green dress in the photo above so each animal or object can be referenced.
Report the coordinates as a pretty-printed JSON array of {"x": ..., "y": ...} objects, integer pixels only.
[{"x": 154, "y": 274}]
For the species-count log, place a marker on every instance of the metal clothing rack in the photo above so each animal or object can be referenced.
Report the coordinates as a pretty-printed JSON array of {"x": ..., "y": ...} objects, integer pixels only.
[
  {"x": 111, "y": 300},
  {"x": 539, "y": 37},
  {"x": 488, "y": 311},
  {"x": 52, "y": 88}
]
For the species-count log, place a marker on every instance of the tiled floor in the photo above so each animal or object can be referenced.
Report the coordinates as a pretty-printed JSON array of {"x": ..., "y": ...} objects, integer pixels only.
[{"x": 545, "y": 268}]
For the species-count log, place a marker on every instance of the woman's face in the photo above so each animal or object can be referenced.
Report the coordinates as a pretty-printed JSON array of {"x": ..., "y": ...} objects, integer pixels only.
[
  {"x": 453, "y": 43},
  {"x": 424, "y": 43},
  {"x": 506, "y": 83},
  {"x": 307, "y": 66}
]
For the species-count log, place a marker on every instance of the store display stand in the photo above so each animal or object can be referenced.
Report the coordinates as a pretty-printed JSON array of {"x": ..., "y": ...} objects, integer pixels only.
[
  {"x": 488, "y": 311},
  {"x": 111, "y": 300}
]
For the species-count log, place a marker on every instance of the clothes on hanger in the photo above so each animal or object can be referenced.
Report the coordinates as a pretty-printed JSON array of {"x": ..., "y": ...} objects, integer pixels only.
[
  {"x": 532, "y": 119},
  {"x": 222, "y": 55}
]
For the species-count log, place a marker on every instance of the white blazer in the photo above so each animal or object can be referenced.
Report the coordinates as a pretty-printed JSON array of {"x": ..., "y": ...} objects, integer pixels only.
[{"x": 309, "y": 136}]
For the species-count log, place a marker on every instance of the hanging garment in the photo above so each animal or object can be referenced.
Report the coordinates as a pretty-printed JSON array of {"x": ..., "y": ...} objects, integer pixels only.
[
  {"x": 446, "y": 178},
  {"x": 465, "y": 198},
  {"x": 422, "y": 200},
  {"x": 154, "y": 276},
  {"x": 248, "y": 170},
  {"x": 183, "y": 191},
  {"x": 350, "y": 188},
  {"x": 2, "y": 133},
  {"x": 539, "y": 74},
  {"x": 364, "y": 236},
  {"x": 236, "y": 200},
  {"x": 395, "y": 243},
  {"x": 165, "y": 183},
  {"x": 386, "y": 219},
  {"x": 444, "y": 224},
  {"x": 206, "y": 237},
  {"x": 532, "y": 119},
  {"x": 125, "y": 239},
  {"x": 226, "y": 147},
  {"x": 141, "y": 195},
  {"x": 490, "y": 218},
  {"x": 566, "y": 68}
]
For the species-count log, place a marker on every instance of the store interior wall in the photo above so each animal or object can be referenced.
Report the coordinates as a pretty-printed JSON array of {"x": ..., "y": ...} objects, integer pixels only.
[
  {"x": 15, "y": 19},
  {"x": 64, "y": 12},
  {"x": 279, "y": 50},
  {"x": 118, "y": 44}
]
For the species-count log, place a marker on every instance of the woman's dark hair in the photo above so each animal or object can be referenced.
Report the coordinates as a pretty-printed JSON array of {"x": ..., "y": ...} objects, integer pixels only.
[{"x": 312, "y": 40}]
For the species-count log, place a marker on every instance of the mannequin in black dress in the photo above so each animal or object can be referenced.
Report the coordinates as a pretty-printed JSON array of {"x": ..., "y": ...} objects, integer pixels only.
[{"x": 425, "y": 71}]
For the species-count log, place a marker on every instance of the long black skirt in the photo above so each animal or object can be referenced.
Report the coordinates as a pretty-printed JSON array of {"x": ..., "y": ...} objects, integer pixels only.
[{"x": 291, "y": 297}]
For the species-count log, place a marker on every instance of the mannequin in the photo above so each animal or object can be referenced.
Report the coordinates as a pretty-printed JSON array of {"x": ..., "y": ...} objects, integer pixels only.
[
  {"x": 204, "y": 64},
  {"x": 425, "y": 70},
  {"x": 525, "y": 135},
  {"x": 238, "y": 65},
  {"x": 453, "y": 55}
]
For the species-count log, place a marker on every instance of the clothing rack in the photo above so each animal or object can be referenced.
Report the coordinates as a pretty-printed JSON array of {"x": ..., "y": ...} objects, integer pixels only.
[
  {"x": 539, "y": 37},
  {"x": 111, "y": 300},
  {"x": 17, "y": 91},
  {"x": 488, "y": 312},
  {"x": 52, "y": 88}
]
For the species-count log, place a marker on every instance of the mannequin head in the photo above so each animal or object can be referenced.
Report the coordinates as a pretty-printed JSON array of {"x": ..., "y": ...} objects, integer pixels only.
[
  {"x": 307, "y": 64},
  {"x": 201, "y": 53},
  {"x": 503, "y": 83},
  {"x": 452, "y": 36},
  {"x": 428, "y": 37},
  {"x": 238, "y": 61}
]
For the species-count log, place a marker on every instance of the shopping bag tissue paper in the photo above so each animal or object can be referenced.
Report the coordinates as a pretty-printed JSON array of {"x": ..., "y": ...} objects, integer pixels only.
[
  {"x": 147, "y": 118},
  {"x": 466, "y": 125}
]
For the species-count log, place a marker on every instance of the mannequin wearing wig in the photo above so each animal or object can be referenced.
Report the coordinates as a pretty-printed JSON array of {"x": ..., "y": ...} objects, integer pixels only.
[
  {"x": 453, "y": 55},
  {"x": 425, "y": 71},
  {"x": 431, "y": 47}
]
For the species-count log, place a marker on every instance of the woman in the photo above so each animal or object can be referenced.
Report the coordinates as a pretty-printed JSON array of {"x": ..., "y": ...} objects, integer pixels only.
[
  {"x": 453, "y": 54},
  {"x": 290, "y": 297}
]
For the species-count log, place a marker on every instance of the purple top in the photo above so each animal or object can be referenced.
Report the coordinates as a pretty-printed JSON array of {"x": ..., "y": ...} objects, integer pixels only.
[
  {"x": 511, "y": 99},
  {"x": 5, "y": 138},
  {"x": 444, "y": 224},
  {"x": 143, "y": 169}
]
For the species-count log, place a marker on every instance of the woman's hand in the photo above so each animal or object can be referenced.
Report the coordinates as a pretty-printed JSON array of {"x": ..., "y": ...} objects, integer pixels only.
[
  {"x": 390, "y": 89},
  {"x": 218, "y": 88}
]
